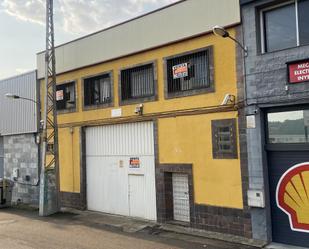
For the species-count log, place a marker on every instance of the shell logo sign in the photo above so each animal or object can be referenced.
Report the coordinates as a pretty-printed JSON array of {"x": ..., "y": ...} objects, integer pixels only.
[{"x": 293, "y": 196}]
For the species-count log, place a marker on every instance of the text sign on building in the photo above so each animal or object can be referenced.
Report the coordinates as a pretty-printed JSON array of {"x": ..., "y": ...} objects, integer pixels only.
[
  {"x": 299, "y": 71},
  {"x": 180, "y": 71},
  {"x": 134, "y": 163},
  {"x": 59, "y": 95}
]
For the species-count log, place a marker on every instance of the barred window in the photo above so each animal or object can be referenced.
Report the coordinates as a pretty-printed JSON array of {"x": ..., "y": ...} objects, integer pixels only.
[
  {"x": 97, "y": 90},
  {"x": 65, "y": 96},
  {"x": 137, "y": 82},
  {"x": 188, "y": 72},
  {"x": 224, "y": 143}
]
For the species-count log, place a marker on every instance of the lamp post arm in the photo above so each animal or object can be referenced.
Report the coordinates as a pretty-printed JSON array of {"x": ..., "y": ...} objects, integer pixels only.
[
  {"x": 30, "y": 100},
  {"x": 242, "y": 46}
]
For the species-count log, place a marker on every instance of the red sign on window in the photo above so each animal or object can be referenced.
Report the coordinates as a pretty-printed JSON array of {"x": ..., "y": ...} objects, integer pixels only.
[
  {"x": 299, "y": 72},
  {"x": 180, "y": 71}
]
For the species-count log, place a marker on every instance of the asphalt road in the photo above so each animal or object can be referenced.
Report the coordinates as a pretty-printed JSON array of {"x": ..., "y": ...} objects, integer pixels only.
[{"x": 20, "y": 229}]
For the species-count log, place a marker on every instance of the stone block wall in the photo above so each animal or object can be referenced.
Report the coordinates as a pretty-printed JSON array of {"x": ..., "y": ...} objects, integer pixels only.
[
  {"x": 21, "y": 154},
  {"x": 266, "y": 86},
  {"x": 266, "y": 74}
]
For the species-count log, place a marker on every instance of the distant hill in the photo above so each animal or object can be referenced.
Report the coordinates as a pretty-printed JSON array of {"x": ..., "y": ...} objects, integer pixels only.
[{"x": 292, "y": 127}]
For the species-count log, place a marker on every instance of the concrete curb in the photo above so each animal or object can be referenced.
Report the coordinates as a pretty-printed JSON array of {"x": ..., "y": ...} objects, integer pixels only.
[{"x": 212, "y": 235}]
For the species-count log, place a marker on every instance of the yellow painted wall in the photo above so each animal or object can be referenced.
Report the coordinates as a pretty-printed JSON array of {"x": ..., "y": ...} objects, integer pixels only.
[
  {"x": 69, "y": 159},
  {"x": 217, "y": 182},
  {"x": 188, "y": 139},
  {"x": 224, "y": 79}
]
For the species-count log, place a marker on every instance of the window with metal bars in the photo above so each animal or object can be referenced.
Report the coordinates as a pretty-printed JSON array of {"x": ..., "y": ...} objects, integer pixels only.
[
  {"x": 224, "y": 143},
  {"x": 97, "y": 90},
  {"x": 65, "y": 96},
  {"x": 137, "y": 82},
  {"x": 188, "y": 72}
]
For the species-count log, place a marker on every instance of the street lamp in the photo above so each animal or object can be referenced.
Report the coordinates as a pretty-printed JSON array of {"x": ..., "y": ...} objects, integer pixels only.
[
  {"x": 220, "y": 31},
  {"x": 14, "y": 96}
]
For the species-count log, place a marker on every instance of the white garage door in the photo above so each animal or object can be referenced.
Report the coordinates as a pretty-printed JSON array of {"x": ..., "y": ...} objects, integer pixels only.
[{"x": 121, "y": 169}]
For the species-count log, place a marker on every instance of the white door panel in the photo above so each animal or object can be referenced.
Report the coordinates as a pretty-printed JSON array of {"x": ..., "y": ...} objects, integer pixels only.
[
  {"x": 181, "y": 197},
  {"x": 109, "y": 175},
  {"x": 137, "y": 203}
]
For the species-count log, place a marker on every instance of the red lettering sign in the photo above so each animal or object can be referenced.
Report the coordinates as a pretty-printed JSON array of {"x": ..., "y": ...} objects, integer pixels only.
[
  {"x": 299, "y": 72},
  {"x": 180, "y": 71}
]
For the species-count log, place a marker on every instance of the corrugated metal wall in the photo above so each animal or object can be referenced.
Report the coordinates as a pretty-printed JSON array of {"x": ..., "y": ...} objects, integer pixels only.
[
  {"x": 113, "y": 185},
  {"x": 18, "y": 116}
]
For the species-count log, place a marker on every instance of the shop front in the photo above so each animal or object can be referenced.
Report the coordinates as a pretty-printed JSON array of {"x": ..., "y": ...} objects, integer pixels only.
[{"x": 287, "y": 145}]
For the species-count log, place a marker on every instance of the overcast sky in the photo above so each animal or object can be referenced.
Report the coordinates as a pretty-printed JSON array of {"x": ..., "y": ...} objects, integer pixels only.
[{"x": 22, "y": 30}]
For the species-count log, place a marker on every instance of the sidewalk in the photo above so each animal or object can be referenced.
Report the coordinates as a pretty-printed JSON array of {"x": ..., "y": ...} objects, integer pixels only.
[
  {"x": 133, "y": 225},
  {"x": 71, "y": 229}
]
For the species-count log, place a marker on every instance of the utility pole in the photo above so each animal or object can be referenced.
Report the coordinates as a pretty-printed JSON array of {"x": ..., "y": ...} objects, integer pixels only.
[{"x": 49, "y": 183}]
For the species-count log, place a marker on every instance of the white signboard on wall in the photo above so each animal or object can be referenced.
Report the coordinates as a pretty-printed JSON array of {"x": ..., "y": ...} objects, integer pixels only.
[
  {"x": 59, "y": 95},
  {"x": 251, "y": 122}
]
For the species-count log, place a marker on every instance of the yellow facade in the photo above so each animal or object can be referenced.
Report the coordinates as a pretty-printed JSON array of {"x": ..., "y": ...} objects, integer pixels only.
[
  {"x": 69, "y": 154},
  {"x": 216, "y": 181}
]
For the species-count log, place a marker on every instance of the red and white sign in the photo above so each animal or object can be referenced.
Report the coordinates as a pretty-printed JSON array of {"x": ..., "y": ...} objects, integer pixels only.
[
  {"x": 59, "y": 95},
  {"x": 299, "y": 72},
  {"x": 134, "y": 163},
  {"x": 180, "y": 71}
]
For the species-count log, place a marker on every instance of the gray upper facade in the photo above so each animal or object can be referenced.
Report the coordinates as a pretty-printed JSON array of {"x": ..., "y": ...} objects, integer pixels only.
[
  {"x": 266, "y": 71},
  {"x": 19, "y": 116}
]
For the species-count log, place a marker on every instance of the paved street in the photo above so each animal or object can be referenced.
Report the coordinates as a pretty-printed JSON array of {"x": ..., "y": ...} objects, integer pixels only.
[{"x": 20, "y": 229}]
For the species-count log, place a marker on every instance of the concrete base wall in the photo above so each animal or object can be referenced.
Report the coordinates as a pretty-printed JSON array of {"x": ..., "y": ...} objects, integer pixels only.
[{"x": 21, "y": 154}]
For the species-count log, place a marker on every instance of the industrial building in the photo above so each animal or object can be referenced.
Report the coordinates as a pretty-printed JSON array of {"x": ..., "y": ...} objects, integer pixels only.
[
  {"x": 143, "y": 131},
  {"x": 19, "y": 139},
  {"x": 276, "y": 34}
]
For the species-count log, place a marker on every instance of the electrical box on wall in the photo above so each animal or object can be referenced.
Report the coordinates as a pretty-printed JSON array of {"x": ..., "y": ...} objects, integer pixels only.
[
  {"x": 256, "y": 198},
  {"x": 15, "y": 173}
]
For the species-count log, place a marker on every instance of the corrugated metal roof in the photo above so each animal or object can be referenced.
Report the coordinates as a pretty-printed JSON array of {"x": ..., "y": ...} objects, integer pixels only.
[{"x": 18, "y": 116}]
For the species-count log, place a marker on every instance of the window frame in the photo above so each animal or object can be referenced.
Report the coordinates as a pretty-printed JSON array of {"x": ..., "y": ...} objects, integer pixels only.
[
  {"x": 292, "y": 146},
  {"x": 191, "y": 92},
  {"x": 153, "y": 97},
  {"x": 264, "y": 9},
  {"x": 72, "y": 109},
  {"x": 103, "y": 105},
  {"x": 215, "y": 125}
]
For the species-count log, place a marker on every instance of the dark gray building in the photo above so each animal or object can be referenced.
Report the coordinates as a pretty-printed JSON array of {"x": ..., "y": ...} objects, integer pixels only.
[
  {"x": 277, "y": 99},
  {"x": 19, "y": 141}
]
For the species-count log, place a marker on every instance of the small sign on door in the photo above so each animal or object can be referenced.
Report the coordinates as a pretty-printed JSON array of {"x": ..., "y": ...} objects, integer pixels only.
[{"x": 134, "y": 163}]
